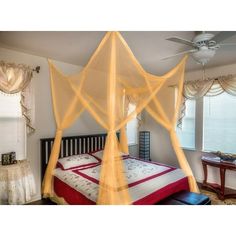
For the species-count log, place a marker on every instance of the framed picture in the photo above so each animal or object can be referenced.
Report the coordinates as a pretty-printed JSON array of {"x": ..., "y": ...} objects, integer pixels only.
[{"x": 9, "y": 158}]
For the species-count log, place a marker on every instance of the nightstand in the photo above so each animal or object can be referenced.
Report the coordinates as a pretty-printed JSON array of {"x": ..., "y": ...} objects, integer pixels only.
[{"x": 17, "y": 185}]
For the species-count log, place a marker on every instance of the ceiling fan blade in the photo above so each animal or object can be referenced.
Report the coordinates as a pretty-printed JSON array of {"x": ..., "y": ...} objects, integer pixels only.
[
  {"x": 222, "y": 36},
  {"x": 227, "y": 44},
  {"x": 180, "y": 53},
  {"x": 182, "y": 41}
]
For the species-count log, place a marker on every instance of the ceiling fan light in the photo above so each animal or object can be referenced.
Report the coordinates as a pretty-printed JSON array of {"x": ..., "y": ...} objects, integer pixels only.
[{"x": 203, "y": 55}]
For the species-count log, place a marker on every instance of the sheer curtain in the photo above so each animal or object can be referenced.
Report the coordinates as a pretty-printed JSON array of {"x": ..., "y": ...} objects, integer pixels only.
[{"x": 210, "y": 87}]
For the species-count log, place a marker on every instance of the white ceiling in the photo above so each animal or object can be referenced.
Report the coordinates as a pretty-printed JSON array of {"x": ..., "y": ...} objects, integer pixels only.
[{"x": 77, "y": 47}]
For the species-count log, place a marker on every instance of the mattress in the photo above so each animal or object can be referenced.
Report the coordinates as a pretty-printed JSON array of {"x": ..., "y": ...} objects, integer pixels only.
[{"x": 148, "y": 182}]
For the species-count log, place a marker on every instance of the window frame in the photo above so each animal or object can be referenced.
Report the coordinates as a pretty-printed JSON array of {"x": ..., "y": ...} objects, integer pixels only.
[
  {"x": 202, "y": 130},
  {"x": 199, "y": 125},
  {"x": 136, "y": 134},
  {"x": 194, "y": 148},
  {"x": 17, "y": 118}
]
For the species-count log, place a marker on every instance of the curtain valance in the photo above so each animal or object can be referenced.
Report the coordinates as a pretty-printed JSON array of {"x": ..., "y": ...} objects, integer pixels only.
[
  {"x": 210, "y": 87},
  {"x": 206, "y": 87},
  {"x": 16, "y": 78}
]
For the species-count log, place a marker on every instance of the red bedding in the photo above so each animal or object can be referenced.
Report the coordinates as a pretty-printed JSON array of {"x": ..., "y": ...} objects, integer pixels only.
[{"x": 148, "y": 182}]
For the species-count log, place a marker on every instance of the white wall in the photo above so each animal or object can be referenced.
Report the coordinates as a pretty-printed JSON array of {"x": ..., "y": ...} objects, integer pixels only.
[
  {"x": 44, "y": 119},
  {"x": 161, "y": 149},
  {"x": 133, "y": 150}
]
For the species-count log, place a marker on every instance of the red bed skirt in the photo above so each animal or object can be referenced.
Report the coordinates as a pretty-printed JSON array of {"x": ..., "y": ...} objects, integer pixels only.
[{"x": 73, "y": 197}]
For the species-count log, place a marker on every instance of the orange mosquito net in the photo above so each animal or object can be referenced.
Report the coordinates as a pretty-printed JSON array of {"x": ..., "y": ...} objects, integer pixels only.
[{"x": 111, "y": 80}]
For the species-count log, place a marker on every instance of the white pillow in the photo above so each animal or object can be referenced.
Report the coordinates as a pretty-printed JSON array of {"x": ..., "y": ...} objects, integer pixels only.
[
  {"x": 99, "y": 154},
  {"x": 77, "y": 161}
]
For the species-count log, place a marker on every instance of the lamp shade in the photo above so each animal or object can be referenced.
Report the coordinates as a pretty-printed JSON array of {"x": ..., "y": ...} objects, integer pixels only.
[{"x": 203, "y": 55}]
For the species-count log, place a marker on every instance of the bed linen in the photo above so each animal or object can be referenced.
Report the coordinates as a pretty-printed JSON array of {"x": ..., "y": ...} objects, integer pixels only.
[
  {"x": 77, "y": 161},
  {"x": 99, "y": 154},
  {"x": 148, "y": 182}
]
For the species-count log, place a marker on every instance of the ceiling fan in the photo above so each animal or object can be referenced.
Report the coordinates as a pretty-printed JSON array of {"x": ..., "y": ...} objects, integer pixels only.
[{"x": 203, "y": 46}]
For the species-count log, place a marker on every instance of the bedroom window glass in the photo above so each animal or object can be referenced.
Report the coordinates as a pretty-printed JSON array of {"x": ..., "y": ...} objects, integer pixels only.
[
  {"x": 132, "y": 127},
  {"x": 12, "y": 126},
  {"x": 219, "y": 119},
  {"x": 186, "y": 133}
]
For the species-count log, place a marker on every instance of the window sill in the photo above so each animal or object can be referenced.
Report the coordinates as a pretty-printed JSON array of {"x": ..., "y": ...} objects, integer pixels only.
[
  {"x": 189, "y": 149},
  {"x": 211, "y": 152},
  {"x": 204, "y": 151},
  {"x": 132, "y": 144}
]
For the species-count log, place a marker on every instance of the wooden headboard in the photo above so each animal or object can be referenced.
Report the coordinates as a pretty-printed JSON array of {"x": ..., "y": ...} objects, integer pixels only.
[{"x": 72, "y": 145}]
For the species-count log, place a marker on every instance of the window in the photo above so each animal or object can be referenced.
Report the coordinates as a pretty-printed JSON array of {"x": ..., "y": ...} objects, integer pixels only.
[
  {"x": 132, "y": 127},
  {"x": 219, "y": 123},
  {"x": 12, "y": 125},
  {"x": 186, "y": 134},
  {"x": 10, "y": 105}
]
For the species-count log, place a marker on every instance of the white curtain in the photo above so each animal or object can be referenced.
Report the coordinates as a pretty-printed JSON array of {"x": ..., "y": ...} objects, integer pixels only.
[{"x": 210, "y": 87}]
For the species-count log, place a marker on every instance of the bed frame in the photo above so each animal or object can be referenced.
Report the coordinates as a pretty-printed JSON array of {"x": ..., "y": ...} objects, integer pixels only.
[
  {"x": 71, "y": 145},
  {"x": 75, "y": 145}
]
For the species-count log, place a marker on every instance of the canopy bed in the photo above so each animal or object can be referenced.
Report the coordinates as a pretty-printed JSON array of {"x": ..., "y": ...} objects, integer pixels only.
[
  {"x": 149, "y": 182},
  {"x": 111, "y": 80}
]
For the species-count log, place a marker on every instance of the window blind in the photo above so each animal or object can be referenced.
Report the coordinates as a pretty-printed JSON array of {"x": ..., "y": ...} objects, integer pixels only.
[
  {"x": 186, "y": 134},
  {"x": 132, "y": 127},
  {"x": 10, "y": 105},
  {"x": 219, "y": 123},
  {"x": 12, "y": 126}
]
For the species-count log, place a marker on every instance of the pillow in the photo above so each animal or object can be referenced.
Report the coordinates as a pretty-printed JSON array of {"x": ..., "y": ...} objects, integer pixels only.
[
  {"x": 99, "y": 154},
  {"x": 77, "y": 161}
]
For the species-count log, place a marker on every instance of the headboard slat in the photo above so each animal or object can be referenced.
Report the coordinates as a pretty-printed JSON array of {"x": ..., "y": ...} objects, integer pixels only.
[{"x": 73, "y": 145}]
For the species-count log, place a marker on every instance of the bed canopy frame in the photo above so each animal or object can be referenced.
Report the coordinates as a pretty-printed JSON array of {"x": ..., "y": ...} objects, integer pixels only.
[{"x": 111, "y": 80}]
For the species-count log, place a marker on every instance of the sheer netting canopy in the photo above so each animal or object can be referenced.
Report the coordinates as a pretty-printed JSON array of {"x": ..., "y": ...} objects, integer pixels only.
[{"x": 111, "y": 80}]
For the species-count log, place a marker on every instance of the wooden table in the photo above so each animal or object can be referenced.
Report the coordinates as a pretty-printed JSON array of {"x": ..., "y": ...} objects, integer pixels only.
[{"x": 219, "y": 189}]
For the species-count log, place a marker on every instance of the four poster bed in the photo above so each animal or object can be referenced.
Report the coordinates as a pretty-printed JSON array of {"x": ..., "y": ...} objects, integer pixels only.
[{"x": 148, "y": 182}]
